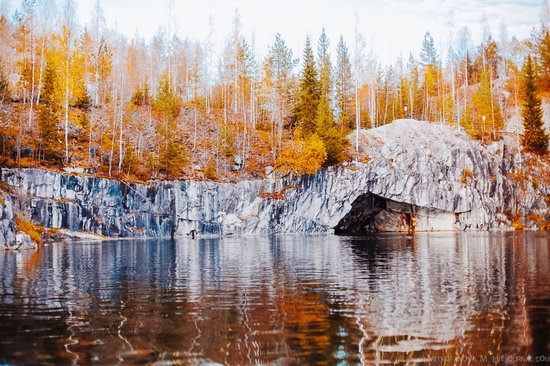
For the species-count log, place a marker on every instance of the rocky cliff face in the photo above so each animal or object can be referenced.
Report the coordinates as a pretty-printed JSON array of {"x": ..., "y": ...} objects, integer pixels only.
[
  {"x": 419, "y": 176},
  {"x": 10, "y": 236}
]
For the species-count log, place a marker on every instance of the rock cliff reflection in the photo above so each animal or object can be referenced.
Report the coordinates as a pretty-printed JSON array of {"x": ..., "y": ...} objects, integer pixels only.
[{"x": 284, "y": 300}]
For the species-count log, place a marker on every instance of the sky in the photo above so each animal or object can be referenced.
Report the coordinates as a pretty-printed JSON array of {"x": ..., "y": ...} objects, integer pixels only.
[{"x": 392, "y": 27}]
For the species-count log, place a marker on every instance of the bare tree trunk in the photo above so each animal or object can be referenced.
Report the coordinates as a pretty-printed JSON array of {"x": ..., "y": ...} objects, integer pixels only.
[
  {"x": 90, "y": 143},
  {"x": 33, "y": 57},
  {"x": 441, "y": 97},
  {"x": 235, "y": 95},
  {"x": 195, "y": 129},
  {"x": 41, "y": 70},
  {"x": 456, "y": 96},
  {"x": 19, "y": 140},
  {"x": 120, "y": 143},
  {"x": 492, "y": 102},
  {"x": 253, "y": 105},
  {"x": 280, "y": 128},
  {"x": 224, "y": 104},
  {"x": 96, "y": 73},
  {"x": 67, "y": 109},
  {"x": 113, "y": 134},
  {"x": 357, "y": 118},
  {"x": 517, "y": 125},
  {"x": 466, "y": 83}
]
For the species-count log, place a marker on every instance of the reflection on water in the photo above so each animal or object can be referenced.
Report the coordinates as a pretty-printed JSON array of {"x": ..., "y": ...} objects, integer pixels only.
[{"x": 284, "y": 300}]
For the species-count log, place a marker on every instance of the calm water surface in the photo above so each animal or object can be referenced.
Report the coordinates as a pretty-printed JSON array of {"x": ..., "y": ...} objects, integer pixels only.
[{"x": 434, "y": 298}]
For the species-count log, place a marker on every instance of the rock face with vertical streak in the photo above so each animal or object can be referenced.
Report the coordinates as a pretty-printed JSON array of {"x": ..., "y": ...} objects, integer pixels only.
[
  {"x": 10, "y": 237},
  {"x": 419, "y": 176}
]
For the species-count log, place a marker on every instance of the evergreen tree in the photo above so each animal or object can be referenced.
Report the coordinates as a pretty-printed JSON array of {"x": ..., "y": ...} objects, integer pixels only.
[
  {"x": 49, "y": 113},
  {"x": 534, "y": 137},
  {"x": 324, "y": 119},
  {"x": 325, "y": 66},
  {"x": 141, "y": 96},
  {"x": 308, "y": 93},
  {"x": 167, "y": 103},
  {"x": 344, "y": 84},
  {"x": 279, "y": 80},
  {"x": 428, "y": 55},
  {"x": 334, "y": 138},
  {"x": 172, "y": 157},
  {"x": 172, "y": 154}
]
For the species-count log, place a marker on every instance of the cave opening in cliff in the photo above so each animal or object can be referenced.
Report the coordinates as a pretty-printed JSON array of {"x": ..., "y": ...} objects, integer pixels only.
[{"x": 370, "y": 214}]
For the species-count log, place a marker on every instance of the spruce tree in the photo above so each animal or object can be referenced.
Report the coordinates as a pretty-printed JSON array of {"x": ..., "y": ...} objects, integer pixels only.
[
  {"x": 325, "y": 66},
  {"x": 308, "y": 93},
  {"x": 428, "y": 55},
  {"x": 172, "y": 154},
  {"x": 344, "y": 84},
  {"x": 534, "y": 138},
  {"x": 50, "y": 107},
  {"x": 333, "y": 137}
]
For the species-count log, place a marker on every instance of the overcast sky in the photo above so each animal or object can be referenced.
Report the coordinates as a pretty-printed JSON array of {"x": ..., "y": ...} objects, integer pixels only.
[{"x": 392, "y": 27}]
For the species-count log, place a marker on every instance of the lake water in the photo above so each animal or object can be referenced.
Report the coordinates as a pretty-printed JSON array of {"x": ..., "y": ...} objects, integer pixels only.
[{"x": 438, "y": 298}]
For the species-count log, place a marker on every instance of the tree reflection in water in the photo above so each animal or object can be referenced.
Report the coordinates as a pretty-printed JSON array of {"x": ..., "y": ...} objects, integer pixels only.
[{"x": 288, "y": 299}]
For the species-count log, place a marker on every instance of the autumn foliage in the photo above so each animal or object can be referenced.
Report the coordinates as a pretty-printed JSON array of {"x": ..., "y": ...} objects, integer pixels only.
[
  {"x": 85, "y": 95},
  {"x": 302, "y": 157}
]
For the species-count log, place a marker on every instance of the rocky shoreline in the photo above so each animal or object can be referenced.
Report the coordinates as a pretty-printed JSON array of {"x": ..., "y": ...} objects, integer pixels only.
[{"x": 418, "y": 177}]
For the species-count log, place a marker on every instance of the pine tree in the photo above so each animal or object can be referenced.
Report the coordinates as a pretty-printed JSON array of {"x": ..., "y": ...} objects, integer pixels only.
[
  {"x": 279, "y": 81},
  {"x": 325, "y": 66},
  {"x": 102, "y": 68},
  {"x": 324, "y": 119},
  {"x": 428, "y": 55},
  {"x": 49, "y": 113},
  {"x": 534, "y": 137},
  {"x": 344, "y": 84},
  {"x": 308, "y": 93},
  {"x": 172, "y": 154},
  {"x": 173, "y": 158},
  {"x": 167, "y": 103},
  {"x": 334, "y": 138}
]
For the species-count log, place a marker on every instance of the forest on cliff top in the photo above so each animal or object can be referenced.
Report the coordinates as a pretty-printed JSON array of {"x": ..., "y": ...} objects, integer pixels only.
[{"x": 85, "y": 95}]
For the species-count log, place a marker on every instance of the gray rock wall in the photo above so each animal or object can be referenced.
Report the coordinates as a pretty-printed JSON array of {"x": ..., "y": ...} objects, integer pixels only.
[
  {"x": 10, "y": 237},
  {"x": 417, "y": 167}
]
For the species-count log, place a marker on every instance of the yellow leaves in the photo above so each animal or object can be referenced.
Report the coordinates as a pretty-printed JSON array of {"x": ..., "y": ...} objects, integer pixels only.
[
  {"x": 431, "y": 77},
  {"x": 63, "y": 40},
  {"x": 303, "y": 157},
  {"x": 35, "y": 232},
  {"x": 488, "y": 116}
]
